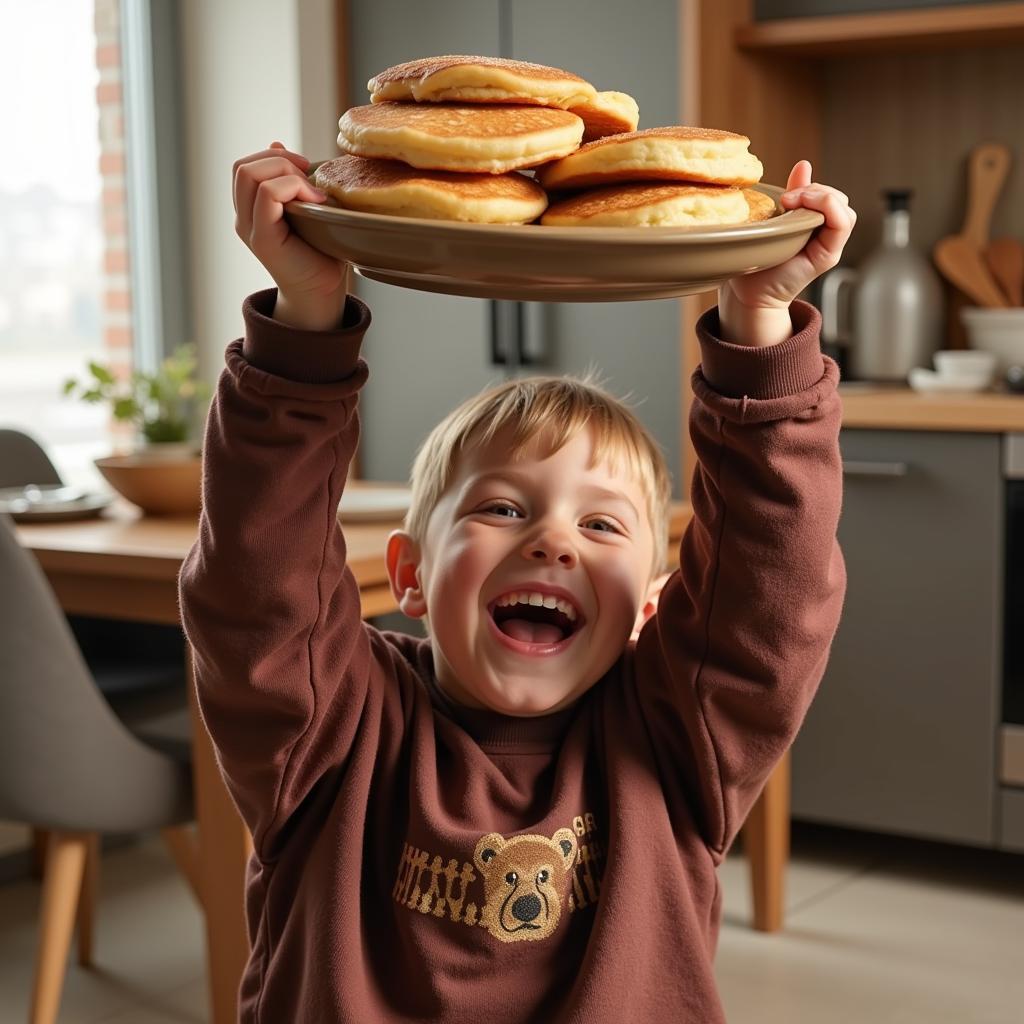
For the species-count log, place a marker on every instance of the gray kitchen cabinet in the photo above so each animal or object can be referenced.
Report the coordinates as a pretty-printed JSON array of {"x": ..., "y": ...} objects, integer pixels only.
[
  {"x": 901, "y": 736},
  {"x": 1011, "y": 820},
  {"x": 428, "y": 352}
]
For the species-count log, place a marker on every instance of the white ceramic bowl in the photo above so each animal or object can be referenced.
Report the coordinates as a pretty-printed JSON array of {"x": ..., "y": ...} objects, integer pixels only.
[
  {"x": 999, "y": 331},
  {"x": 967, "y": 365},
  {"x": 921, "y": 378}
]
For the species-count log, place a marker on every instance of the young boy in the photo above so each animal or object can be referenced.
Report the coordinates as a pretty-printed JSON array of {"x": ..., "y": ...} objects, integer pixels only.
[{"x": 519, "y": 818}]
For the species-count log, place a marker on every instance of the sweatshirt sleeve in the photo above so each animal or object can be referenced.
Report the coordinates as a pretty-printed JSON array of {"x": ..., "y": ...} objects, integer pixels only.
[
  {"x": 269, "y": 607},
  {"x": 728, "y": 666}
]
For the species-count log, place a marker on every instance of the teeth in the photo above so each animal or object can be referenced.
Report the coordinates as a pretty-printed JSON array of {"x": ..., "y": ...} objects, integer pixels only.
[{"x": 539, "y": 600}]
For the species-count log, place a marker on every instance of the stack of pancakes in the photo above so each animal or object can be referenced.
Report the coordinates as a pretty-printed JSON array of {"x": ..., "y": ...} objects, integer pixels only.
[
  {"x": 660, "y": 177},
  {"x": 451, "y": 137}
]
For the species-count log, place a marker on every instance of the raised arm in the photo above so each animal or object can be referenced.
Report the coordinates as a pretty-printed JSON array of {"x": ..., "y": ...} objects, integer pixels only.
[
  {"x": 727, "y": 669},
  {"x": 269, "y": 607}
]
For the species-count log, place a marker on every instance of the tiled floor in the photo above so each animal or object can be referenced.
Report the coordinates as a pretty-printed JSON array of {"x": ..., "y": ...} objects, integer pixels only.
[{"x": 879, "y": 931}]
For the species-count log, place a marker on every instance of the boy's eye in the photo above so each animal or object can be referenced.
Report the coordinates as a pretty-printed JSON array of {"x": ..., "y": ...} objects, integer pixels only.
[
  {"x": 499, "y": 509},
  {"x": 601, "y": 525}
]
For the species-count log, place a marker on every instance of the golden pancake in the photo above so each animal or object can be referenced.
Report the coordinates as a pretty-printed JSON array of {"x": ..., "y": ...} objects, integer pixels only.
[
  {"x": 609, "y": 113},
  {"x": 395, "y": 189},
  {"x": 447, "y": 137},
  {"x": 465, "y": 79},
  {"x": 761, "y": 206},
  {"x": 676, "y": 153},
  {"x": 651, "y": 205}
]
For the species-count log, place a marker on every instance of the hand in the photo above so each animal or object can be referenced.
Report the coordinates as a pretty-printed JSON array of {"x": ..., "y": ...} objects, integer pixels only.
[
  {"x": 311, "y": 286},
  {"x": 743, "y": 298}
]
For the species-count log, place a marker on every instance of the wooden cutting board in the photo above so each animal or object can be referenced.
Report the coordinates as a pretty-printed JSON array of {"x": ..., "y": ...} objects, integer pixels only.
[{"x": 960, "y": 257}]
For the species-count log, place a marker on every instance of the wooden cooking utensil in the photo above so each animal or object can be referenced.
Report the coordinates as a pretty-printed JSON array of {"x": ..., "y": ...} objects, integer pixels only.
[
  {"x": 1005, "y": 260},
  {"x": 959, "y": 257}
]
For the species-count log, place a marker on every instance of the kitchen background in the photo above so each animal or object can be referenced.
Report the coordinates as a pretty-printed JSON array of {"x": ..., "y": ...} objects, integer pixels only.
[{"x": 908, "y": 737}]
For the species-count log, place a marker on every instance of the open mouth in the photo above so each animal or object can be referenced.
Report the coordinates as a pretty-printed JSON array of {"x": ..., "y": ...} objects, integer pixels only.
[{"x": 529, "y": 617}]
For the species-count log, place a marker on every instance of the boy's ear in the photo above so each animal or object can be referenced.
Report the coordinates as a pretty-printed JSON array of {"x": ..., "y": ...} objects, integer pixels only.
[
  {"x": 650, "y": 605},
  {"x": 403, "y": 565}
]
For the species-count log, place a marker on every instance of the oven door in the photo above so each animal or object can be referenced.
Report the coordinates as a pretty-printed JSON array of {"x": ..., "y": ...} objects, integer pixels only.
[{"x": 1013, "y": 625}]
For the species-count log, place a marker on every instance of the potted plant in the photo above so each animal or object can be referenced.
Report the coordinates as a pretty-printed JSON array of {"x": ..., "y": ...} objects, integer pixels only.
[
  {"x": 163, "y": 473},
  {"x": 161, "y": 405}
]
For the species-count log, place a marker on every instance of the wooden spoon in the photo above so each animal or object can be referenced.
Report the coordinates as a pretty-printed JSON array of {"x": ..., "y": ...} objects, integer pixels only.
[
  {"x": 1005, "y": 260},
  {"x": 959, "y": 257}
]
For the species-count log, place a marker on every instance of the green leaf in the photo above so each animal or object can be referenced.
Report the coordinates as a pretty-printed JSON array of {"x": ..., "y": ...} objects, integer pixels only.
[
  {"x": 159, "y": 431},
  {"x": 125, "y": 408},
  {"x": 101, "y": 373}
]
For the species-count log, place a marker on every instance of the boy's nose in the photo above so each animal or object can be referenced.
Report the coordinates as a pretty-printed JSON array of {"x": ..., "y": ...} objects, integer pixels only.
[{"x": 551, "y": 546}]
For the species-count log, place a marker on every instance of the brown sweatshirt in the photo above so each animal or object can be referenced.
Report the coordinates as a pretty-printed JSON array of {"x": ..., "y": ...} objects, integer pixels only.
[{"x": 419, "y": 861}]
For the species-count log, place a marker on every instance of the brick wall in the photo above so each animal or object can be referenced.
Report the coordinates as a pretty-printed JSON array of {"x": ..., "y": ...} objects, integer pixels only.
[{"x": 117, "y": 298}]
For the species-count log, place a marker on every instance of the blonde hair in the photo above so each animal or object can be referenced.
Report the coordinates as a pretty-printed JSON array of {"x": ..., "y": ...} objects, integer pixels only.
[{"x": 551, "y": 410}]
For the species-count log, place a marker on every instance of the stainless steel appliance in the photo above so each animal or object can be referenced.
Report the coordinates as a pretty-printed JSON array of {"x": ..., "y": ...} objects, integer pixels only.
[{"x": 893, "y": 319}]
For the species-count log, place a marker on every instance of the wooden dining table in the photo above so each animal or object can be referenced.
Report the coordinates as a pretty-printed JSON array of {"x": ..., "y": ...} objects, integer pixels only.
[{"x": 125, "y": 565}]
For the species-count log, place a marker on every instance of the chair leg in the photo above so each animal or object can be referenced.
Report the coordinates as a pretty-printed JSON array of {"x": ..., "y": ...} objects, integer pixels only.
[
  {"x": 766, "y": 842},
  {"x": 87, "y": 900},
  {"x": 183, "y": 844},
  {"x": 62, "y": 883}
]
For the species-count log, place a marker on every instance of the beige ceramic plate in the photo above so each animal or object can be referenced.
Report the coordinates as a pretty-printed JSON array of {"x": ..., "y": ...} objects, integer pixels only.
[
  {"x": 374, "y": 504},
  {"x": 548, "y": 264},
  {"x": 46, "y": 503}
]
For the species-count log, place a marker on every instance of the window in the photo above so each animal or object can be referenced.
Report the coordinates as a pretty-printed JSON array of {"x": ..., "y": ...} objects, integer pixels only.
[{"x": 66, "y": 294}]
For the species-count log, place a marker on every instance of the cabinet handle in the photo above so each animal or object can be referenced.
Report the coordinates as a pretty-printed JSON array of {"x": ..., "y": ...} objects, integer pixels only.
[
  {"x": 508, "y": 335},
  {"x": 862, "y": 467}
]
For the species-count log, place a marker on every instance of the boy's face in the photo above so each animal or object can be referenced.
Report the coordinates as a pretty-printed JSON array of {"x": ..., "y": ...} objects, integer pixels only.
[{"x": 558, "y": 527}]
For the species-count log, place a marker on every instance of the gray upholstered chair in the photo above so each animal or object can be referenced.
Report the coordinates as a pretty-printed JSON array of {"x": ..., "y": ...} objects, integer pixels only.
[
  {"x": 138, "y": 666},
  {"x": 70, "y": 765},
  {"x": 123, "y": 657},
  {"x": 24, "y": 461}
]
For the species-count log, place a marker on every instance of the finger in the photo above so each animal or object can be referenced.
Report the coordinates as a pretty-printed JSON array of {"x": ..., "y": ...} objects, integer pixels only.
[
  {"x": 296, "y": 158},
  {"x": 268, "y": 229},
  {"x": 800, "y": 176},
  {"x": 826, "y": 247},
  {"x": 829, "y": 201},
  {"x": 795, "y": 197},
  {"x": 291, "y": 153},
  {"x": 248, "y": 179},
  {"x": 829, "y": 189},
  {"x": 276, "y": 149}
]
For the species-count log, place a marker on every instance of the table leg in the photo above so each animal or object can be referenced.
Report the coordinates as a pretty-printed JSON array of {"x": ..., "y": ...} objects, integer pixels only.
[
  {"x": 766, "y": 841},
  {"x": 224, "y": 849}
]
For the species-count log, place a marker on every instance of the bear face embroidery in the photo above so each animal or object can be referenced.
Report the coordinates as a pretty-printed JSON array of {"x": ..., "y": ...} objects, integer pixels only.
[{"x": 525, "y": 879}]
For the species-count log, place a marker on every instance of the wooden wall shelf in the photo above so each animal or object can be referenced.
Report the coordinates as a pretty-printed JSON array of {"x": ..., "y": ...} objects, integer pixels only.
[{"x": 997, "y": 24}]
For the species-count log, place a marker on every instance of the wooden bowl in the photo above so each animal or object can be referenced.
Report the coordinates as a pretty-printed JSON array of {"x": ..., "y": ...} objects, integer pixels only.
[{"x": 159, "y": 484}]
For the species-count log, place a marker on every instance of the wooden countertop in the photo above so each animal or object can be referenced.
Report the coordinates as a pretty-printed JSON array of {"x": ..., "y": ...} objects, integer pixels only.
[
  {"x": 900, "y": 408},
  {"x": 153, "y": 547}
]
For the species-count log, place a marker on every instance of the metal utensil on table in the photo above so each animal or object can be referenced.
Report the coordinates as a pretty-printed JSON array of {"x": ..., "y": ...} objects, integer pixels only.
[{"x": 959, "y": 257}]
